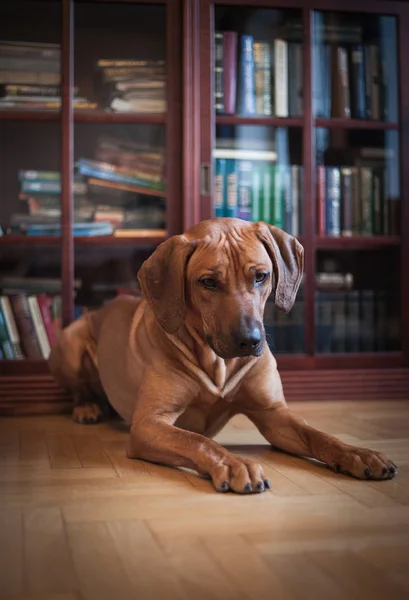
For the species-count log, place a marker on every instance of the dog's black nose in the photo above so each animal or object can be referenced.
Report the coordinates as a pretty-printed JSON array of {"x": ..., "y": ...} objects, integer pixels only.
[{"x": 250, "y": 340}]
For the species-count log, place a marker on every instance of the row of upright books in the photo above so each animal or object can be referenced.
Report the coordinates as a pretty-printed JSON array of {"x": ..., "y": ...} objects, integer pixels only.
[
  {"x": 357, "y": 321},
  {"x": 352, "y": 82},
  {"x": 355, "y": 201},
  {"x": 29, "y": 325},
  {"x": 257, "y": 190},
  {"x": 30, "y": 78},
  {"x": 285, "y": 332},
  {"x": 122, "y": 189},
  {"x": 254, "y": 77}
]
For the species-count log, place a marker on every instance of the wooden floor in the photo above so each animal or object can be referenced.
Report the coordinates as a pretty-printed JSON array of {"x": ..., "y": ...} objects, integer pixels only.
[{"x": 81, "y": 521}]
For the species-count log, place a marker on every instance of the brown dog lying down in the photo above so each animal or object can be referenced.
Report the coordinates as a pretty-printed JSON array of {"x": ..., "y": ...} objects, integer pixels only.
[{"x": 180, "y": 363}]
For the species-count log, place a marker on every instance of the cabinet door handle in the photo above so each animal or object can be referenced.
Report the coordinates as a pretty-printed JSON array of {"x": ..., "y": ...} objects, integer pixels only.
[{"x": 205, "y": 179}]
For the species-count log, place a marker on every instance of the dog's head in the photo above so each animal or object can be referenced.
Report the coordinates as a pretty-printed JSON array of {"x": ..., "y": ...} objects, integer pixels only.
[{"x": 217, "y": 278}]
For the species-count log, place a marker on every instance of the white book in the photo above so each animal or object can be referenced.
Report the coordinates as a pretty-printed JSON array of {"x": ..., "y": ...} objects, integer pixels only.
[
  {"x": 39, "y": 326},
  {"x": 241, "y": 154},
  {"x": 281, "y": 77}
]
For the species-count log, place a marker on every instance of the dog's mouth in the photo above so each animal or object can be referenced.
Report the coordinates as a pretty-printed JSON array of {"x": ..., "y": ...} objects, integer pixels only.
[{"x": 225, "y": 352}]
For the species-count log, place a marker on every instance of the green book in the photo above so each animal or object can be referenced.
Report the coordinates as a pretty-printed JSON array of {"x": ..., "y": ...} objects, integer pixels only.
[
  {"x": 257, "y": 207},
  {"x": 268, "y": 193},
  {"x": 279, "y": 183}
]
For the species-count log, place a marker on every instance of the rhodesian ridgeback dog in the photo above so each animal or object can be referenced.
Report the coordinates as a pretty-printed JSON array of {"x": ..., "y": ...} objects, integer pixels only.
[{"x": 180, "y": 362}]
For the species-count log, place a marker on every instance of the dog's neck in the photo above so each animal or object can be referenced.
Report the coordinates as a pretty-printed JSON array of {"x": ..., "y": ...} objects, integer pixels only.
[{"x": 219, "y": 376}]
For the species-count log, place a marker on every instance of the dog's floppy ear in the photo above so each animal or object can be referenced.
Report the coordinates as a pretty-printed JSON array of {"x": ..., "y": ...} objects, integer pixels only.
[
  {"x": 287, "y": 256},
  {"x": 162, "y": 279}
]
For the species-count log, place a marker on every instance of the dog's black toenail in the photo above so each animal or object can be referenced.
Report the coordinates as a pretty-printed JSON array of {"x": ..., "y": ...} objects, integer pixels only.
[
  {"x": 224, "y": 486},
  {"x": 337, "y": 467},
  {"x": 248, "y": 488},
  {"x": 267, "y": 484},
  {"x": 384, "y": 471},
  {"x": 260, "y": 486},
  {"x": 392, "y": 470},
  {"x": 367, "y": 472}
]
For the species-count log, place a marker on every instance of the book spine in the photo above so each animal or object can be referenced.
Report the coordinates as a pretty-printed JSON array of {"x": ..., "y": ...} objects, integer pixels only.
[
  {"x": 375, "y": 76},
  {"x": 357, "y": 74},
  {"x": 230, "y": 71},
  {"x": 352, "y": 321},
  {"x": 356, "y": 202},
  {"x": 246, "y": 97},
  {"x": 346, "y": 201},
  {"x": 333, "y": 201},
  {"x": 262, "y": 77},
  {"x": 368, "y": 82},
  {"x": 25, "y": 326},
  {"x": 287, "y": 200},
  {"x": 381, "y": 321},
  {"x": 231, "y": 188},
  {"x": 245, "y": 189},
  {"x": 39, "y": 326},
  {"x": 45, "y": 310},
  {"x": 321, "y": 201},
  {"x": 5, "y": 342},
  {"x": 338, "y": 322},
  {"x": 268, "y": 192},
  {"x": 366, "y": 201},
  {"x": 295, "y": 79},
  {"x": 377, "y": 194},
  {"x": 11, "y": 327},
  {"x": 386, "y": 204},
  {"x": 89, "y": 171},
  {"x": 218, "y": 72},
  {"x": 277, "y": 211},
  {"x": 367, "y": 321},
  {"x": 295, "y": 200},
  {"x": 257, "y": 206},
  {"x": 220, "y": 188},
  {"x": 281, "y": 77},
  {"x": 344, "y": 81}
]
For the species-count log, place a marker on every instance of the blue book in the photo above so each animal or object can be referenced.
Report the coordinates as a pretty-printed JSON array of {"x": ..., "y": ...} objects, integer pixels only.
[
  {"x": 245, "y": 189},
  {"x": 85, "y": 168},
  {"x": 220, "y": 194},
  {"x": 357, "y": 80},
  {"x": 246, "y": 92},
  {"x": 231, "y": 188},
  {"x": 79, "y": 229},
  {"x": 333, "y": 201}
]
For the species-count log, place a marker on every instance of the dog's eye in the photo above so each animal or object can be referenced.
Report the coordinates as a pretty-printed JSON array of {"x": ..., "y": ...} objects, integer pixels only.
[
  {"x": 261, "y": 277},
  {"x": 208, "y": 282}
]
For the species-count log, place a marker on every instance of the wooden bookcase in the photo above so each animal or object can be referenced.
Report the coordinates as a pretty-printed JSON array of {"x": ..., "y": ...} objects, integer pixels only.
[{"x": 181, "y": 32}]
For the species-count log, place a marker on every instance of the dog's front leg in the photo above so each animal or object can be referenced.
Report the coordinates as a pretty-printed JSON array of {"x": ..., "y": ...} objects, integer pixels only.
[
  {"x": 264, "y": 404},
  {"x": 155, "y": 438},
  {"x": 288, "y": 432}
]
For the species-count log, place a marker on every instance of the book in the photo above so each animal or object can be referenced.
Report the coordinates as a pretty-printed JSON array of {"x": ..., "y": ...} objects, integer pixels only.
[
  {"x": 246, "y": 97},
  {"x": 281, "y": 77},
  {"x": 245, "y": 189},
  {"x": 11, "y": 327},
  {"x": 220, "y": 195},
  {"x": 262, "y": 77}
]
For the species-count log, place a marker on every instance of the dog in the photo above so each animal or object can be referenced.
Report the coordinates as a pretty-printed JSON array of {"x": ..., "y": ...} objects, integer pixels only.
[{"x": 180, "y": 362}]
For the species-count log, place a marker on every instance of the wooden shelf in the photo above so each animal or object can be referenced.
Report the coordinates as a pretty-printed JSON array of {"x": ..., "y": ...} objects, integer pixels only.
[
  {"x": 55, "y": 240},
  {"x": 354, "y": 124},
  {"x": 84, "y": 116},
  {"x": 357, "y": 242},
  {"x": 268, "y": 121}
]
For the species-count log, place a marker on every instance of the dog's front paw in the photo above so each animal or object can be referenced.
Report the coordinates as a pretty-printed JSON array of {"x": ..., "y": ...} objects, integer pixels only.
[
  {"x": 87, "y": 413},
  {"x": 364, "y": 464},
  {"x": 239, "y": 475}
]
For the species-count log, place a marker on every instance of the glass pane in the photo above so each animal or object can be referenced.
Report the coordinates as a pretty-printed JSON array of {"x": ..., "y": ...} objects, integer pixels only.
[
  {"x": 358, "y": 191},
  {"x": 258, "y": 62},
  {"x": 30, "y": 35},
  {"x": 119, "y": 60},
  {"x": 30, "y": 270},
  {"x": 258, "y": 175},
  {"x": 121, "y": 169},
  {"x": 355, "y": 66},
  {"x": 285, "y": 332},
  {"x": 357, "y": 307}
]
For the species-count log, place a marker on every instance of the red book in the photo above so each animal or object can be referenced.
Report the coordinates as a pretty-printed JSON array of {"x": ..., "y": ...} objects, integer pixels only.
[
  {"x": 321, "y": 221},
  {"x": 44, "y": 304},
  {"x": 230, "y": 71}
]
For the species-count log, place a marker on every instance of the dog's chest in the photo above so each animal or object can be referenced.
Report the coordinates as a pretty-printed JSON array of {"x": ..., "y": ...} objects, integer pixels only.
[{"x": 205, "y": 415}]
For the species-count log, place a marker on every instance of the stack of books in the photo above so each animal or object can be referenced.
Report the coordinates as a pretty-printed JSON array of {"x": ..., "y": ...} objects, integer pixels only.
[
  {"x": 30, "y": 77},
  {"x": 133, "y": 85},
  {"x": 257, "y": 77}
]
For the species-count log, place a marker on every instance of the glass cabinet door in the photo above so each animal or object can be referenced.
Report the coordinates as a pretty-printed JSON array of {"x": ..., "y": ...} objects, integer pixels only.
[{"x": 358, "y": 191}]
